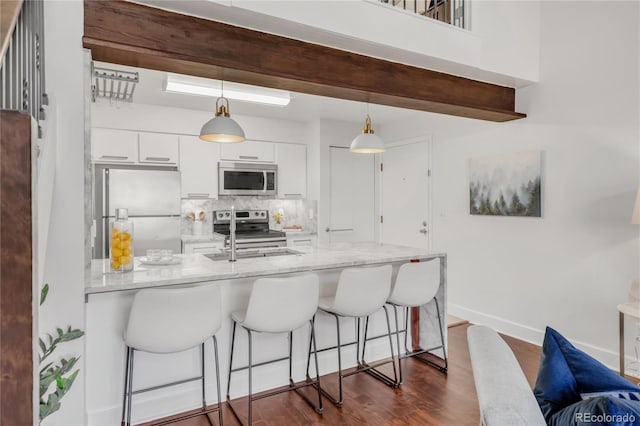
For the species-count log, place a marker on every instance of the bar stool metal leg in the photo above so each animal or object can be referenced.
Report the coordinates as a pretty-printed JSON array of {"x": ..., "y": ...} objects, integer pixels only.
[
  {"x": 444, "y": 350},
  {"x": 312, "y": 341},
  {"x": 315, "y": 350},
  {"x": 395, "y": 314},
  {"x": 364, "y": 344},
  {"x": 130, "y": 390},
  {"x": 371, "y": 368},
  {"x": 291, "y": 382},
  {"x": 126, "y": 383},
  {"x": 311, "y": 338},
  {"x": 358, "y": 359},
  {"x": 338, "y": 402},
  {"x": 233, "y": 341},
  {"x": 250, "y": 375},
  {"x": 204, "y": 402},
  {"x": 215, "y": 350},
  {"x": 406, "y": 327},
  {"x": 417, "y": 353}
]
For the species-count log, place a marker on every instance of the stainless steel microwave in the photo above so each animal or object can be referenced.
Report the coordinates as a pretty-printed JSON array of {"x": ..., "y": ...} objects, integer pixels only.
[{"x": 247, "y": 178}]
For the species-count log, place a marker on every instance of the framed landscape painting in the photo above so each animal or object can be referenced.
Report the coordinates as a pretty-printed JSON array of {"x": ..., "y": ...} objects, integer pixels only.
[{"x": 506, "y": 185}]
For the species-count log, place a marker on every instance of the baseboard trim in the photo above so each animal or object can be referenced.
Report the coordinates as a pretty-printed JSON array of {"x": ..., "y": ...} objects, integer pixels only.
[{"x": 531, "y": 334}]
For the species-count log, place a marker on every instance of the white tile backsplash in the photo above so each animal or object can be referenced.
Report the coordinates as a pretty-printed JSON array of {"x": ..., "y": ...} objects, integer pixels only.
[{"x": 295, "y": 212}]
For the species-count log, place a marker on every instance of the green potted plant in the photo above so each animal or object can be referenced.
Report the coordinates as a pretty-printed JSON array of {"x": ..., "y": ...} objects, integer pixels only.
[{"x": 58, "y": 371}]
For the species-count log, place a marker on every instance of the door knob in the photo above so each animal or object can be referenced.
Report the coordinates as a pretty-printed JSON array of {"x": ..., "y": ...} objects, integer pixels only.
[
  {"x": 327, "y": 229},
  {"x": 424, "y": 223},
  {"x": 423, "y": 230}
]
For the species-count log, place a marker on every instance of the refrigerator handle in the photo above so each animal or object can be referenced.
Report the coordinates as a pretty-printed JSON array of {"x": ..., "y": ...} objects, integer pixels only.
[{"x": 105, "y": 202}]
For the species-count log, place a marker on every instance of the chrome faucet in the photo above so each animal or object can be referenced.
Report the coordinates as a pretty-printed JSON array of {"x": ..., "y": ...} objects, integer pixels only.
[{"x": 232, "y": 235}]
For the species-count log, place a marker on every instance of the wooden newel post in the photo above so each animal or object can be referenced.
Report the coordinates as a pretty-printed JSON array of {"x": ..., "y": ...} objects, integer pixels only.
[{"x": 16, "y": 319}]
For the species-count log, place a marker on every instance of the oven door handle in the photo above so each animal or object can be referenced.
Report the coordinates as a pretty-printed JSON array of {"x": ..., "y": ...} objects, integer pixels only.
[
  {"x": 241, "y": 241},
  {"x": 264, "y": 179}
]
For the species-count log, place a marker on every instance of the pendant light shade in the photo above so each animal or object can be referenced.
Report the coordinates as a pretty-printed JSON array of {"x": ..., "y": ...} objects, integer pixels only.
[
  {"x": 367, "y": 142},
  {"x": 222, "y": 128}
]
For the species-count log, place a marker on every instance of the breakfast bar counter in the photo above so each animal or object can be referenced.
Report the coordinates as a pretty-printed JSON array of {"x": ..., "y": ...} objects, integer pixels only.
[
  {"x": 109, "y": 297},
  {"x": 196, "y": 268}
]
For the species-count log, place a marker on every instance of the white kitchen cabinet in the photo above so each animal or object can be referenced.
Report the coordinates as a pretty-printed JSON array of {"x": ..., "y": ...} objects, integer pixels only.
[
  {"x": 114, "y": 146},
  {"x": 202, "y": 247},
  {"x": 158, "y": 148},
  {"x": 301, "y": 240},
  {"x": 263, "y": 152},
  {"x": 292, "y": 170},
  {"x": 199, "y": 167}
]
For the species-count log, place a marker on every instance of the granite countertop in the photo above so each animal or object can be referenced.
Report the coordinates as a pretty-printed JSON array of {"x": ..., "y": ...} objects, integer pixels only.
[{"x": 195, "y": 268}]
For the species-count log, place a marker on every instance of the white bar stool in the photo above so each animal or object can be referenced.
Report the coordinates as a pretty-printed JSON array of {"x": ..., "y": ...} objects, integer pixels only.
[
  {"x": 164, "y": 321},
  {"x": 360, "y": 293},
  {"x": 417, "y": 284},
  {"x": 277, "y": 305}
]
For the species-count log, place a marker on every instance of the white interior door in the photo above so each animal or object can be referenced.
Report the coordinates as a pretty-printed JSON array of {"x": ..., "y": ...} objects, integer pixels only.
[
  {"x": 405, "y": 195},
  {"x": 352, "y": 199}
]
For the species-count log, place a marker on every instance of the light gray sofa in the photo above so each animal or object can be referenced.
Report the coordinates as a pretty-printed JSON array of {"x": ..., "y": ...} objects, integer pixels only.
[{"x": 504, "y": 395}]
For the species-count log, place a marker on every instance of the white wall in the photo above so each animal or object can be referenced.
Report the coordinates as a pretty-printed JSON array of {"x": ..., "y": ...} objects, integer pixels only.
[
  {"x": 64, "y": 257},
  {"x": 570, "y": 268},
  {"x": 483, "y": 50}
]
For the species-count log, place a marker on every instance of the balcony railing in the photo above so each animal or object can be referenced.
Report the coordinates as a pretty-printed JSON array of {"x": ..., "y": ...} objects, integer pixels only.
[
  {"x": 22, "y": 83},
  {"x": 448, "y": 11}
]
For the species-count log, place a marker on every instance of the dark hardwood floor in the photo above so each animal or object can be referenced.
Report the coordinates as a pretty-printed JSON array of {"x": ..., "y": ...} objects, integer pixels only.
[{"x": 427, "y": 397}]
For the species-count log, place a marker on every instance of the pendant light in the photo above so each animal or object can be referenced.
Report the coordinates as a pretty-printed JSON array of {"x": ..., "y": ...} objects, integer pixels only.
[
  {"x": 367, "y": 142},
  {"x": 222, "y": 128}
]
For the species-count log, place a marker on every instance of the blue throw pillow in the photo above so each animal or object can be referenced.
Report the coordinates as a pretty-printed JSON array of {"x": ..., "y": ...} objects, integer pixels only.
[
  {"x": 599, "y": 411},
  {"x": 566, "y": 372}
]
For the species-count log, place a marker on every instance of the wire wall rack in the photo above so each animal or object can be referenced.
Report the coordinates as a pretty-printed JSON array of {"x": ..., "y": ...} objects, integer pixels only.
[{"x": 112, "y": 84}]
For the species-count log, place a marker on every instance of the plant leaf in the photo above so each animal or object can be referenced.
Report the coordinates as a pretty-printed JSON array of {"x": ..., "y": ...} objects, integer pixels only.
[
  {"x": 53, "y": 400},
  {"x": 43, "y": 293},
  {"x": 43, "y": 369},
  {"x": 51, "y": 406},
  {"x": 71, "y": 335},
  {"x": 55, "y": 371}
]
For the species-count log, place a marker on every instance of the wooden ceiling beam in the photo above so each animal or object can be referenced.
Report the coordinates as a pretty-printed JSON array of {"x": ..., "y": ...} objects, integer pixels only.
[{"x": 130, "y": 34}]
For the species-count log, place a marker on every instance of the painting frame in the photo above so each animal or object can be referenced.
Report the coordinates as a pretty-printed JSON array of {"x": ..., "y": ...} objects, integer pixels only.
[{"x": 506, "y": 185}]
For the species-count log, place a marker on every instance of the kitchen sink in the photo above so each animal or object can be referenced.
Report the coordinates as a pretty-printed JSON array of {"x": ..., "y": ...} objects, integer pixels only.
[{"x": 248, "y": 254}]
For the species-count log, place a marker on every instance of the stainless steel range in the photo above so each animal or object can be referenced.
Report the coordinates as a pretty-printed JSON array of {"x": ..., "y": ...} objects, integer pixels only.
[{"x": 252, "y": 229}]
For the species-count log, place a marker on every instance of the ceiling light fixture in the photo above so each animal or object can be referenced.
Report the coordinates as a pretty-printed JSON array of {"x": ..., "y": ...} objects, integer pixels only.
[
  {"x": 367, "y": 142},
  {"x": 177, "y": 83},
  {"x": 222, "y": 128}
]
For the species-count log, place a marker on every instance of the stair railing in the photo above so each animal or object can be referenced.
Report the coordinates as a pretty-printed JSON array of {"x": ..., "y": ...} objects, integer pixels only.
[{"x": 22, "y": 82}]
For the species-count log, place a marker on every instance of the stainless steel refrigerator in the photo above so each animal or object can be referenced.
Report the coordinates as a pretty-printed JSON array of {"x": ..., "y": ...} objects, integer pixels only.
[{"x": 152, "y": 197}]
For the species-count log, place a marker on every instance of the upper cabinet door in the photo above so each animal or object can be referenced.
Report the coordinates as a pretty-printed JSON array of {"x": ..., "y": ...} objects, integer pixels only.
[
  {"x": 199, "y": 167},
  {"x": 114, "y": 146},
  {"x": 248, "y": 151},
  {"x": 158, "y": 148},
  {"x": 292, "y": 170}
]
